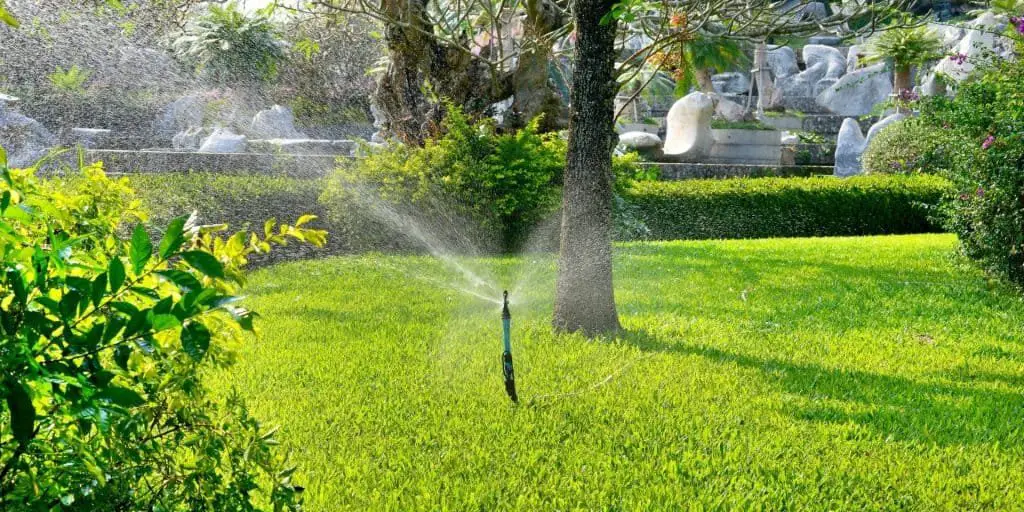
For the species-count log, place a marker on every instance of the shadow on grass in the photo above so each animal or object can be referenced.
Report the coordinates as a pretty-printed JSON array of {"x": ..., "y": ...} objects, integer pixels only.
[{"x": 894, "y": 407}]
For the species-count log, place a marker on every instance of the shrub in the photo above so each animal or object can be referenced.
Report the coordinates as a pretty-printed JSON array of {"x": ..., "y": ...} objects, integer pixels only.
[
  {"x": 984, "y": 131},
  {"x": 906, "y": 147},
  {"x": 787, "y": 207},
  {"x": 231, "y": 44},
  {"x": 471, "y": 188},
  {"x": 242, "y": 201},
  {"x": 105, "y": 343}
]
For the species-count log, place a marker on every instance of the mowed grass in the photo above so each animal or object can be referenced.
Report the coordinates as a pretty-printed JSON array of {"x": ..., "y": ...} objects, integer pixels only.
[{"x": 803, "y": 374}]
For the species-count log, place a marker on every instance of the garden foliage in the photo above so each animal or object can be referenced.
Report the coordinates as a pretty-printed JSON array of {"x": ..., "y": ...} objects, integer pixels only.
[
  {"x": 471, "y": 183},
  {"x": 983, "y": 129},
  {"x": 906, "y": 147},
  {"x": 787, "y": 207},
  {"x": 104, "y": 343}
]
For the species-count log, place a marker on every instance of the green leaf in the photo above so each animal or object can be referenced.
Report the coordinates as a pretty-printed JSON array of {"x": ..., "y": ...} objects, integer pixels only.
[
  {"x": 121, "y": 355},
  {"x": 163, "y": 322},
  {"x": 5, "y": 200},
  {"x": 99, "y": 288},
  {"x": 115, "y": 275},
  {"x": 195, "y": 339},
  {"x": 141, "y": 250},
  {"x": 120, "y": 396},
  {"x": 184, "y": 280},
  {"x": 8, "y": 18},
  {"x": 173, "y": 238},
  {"x": 3, "y": 152},
  {"x": 23, "y": 414},
  {"x": 204, "y": 262}
]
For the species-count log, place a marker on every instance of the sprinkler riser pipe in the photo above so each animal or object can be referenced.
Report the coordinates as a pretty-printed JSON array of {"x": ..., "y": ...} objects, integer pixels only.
[{"x": 507, "y": 369}]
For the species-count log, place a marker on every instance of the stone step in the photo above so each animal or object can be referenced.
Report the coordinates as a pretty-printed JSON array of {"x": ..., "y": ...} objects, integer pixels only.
[{"x": 680, "y": 171}]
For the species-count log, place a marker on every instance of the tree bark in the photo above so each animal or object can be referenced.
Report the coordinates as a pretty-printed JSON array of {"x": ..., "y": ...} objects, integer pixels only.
[
  {"x": 704, "y": 80},
  {"x": 584, "y": 297},
  {"x": 424, "y": 72}
]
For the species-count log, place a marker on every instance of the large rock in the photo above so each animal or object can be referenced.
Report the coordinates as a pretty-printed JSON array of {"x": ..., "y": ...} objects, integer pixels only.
[
  {"x": 728, "y": 109},
  {"x": 190, "y": 139},
  {"x": 857, "y": 93},
  {"x": 91, "y": 138},
  {"x": 648, "y": 145},
  {"x": 881, "y": 125},
  {"x": 223, "y": 140},
  {"x": 731, "y": 83},
  {"x": 782, "y": 62},
  {"x": 824, "y": 63},
  {"x": 853, "y": 58},
  {"x": 850, "y": 146},
  {"x": 639, "y": 140},
  {"x": 851, "y": 143},
  {"x": 25, "y": 139},
  {"x": 277, "y": 122},
  {"x": 688, "y": 137},
  {"x": 825, "y": 40},
  {"x": 181, "y": 114},
  {"x": 830, "y": 58}
]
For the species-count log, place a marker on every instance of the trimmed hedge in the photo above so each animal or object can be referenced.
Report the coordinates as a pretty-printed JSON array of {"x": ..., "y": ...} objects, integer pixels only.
[
  {"x": 657, "y": 210},
  {"x": 241, "y": 201},
  {"x": 787, "y": 207}
]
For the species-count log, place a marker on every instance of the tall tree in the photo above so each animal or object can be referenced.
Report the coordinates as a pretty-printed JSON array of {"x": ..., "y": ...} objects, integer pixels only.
[{"x": 585, "y": 299}]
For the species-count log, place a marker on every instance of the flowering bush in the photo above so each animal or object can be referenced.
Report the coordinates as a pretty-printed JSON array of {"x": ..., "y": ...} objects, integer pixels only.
[
  {"x": 104, "y": 345},
  {"x": 906, "y": 147},
  {"x": 983, "y": 129}
]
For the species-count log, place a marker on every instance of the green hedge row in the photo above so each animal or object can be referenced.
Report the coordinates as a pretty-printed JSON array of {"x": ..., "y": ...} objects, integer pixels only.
[
  {"x": 659, "y": 210},
  {"x": 241, "y": 201},
  {"x": 787, "y": 207}
]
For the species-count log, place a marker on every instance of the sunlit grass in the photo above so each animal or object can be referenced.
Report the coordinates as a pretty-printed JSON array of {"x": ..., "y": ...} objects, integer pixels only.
[{"x": 844, "y": 374}]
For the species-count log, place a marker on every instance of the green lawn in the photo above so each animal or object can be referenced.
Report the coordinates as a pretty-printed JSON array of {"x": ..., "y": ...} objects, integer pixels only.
[{"x": 843, "y": 374}]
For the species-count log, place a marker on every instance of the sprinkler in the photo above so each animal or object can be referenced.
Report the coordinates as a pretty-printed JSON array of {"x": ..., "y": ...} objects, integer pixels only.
[{"x": 506, "y": 358}]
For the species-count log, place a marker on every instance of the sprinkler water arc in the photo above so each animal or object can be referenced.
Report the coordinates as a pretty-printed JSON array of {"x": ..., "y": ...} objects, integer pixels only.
[{"x": 506, "y": 357}]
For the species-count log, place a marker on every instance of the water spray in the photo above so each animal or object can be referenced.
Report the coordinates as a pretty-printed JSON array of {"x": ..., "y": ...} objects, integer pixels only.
[{"x": 506, "y": 358}]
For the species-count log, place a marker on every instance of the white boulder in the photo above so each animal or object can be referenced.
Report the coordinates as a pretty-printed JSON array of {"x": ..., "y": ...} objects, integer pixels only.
[
  {"x": 688, "y": 137},
  {"x": 850, "y": 146},
  {"x": 857, "y": 93},
  {"x": 277, "y": 122},
  {"x": 24, "y": 139},
  {"x": 223, "y": 140}
]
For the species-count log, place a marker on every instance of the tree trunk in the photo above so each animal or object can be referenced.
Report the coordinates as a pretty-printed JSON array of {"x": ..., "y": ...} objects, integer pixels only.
[
  {"x": 584, "y": 297},
  {"x": 424, "y": 71},
  {"x": 704, "y": 80},
  {"x": 902, "y": 81}
]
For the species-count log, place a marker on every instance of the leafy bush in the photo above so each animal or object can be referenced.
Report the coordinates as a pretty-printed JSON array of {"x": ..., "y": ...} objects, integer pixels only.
[
  {"x": 984, "y": 133},
  {"x": 231, "y": 44},
  {"x": 104, "y": 344},
  {"x": 471, "y": 188},
  {"x": 906, "y": 147},
  {"x": 786, "y": 207}
]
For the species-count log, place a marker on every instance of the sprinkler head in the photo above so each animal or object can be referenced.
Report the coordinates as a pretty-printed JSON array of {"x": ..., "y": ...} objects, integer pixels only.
[{"x": 504, "y": 307}]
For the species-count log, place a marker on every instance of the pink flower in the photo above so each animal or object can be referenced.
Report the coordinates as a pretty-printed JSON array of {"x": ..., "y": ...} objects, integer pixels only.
[
  {"x": 980, "y": 192},
  {"x": 988, "y": 142},
  {"x": 958, "y": 58}
]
